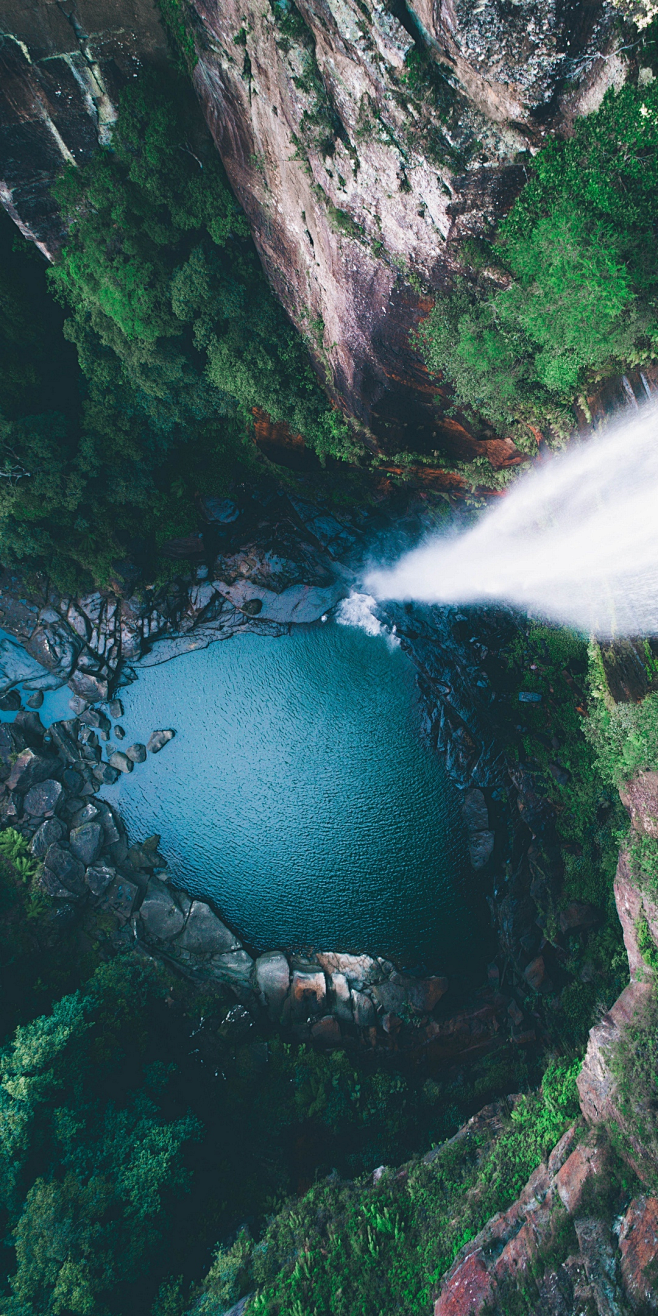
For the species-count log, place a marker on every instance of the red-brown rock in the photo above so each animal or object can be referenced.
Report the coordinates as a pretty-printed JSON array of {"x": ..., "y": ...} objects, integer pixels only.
[
  {"x": 638, "y": 1244},
  {"x": 640, "y": 797},
  {"x": 470, "y": 1289}
]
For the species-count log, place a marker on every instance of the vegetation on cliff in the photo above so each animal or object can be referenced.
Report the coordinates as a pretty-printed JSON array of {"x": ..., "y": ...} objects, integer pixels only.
[
  {"x": 178, "y": 338},
  {"x": 565, "y": 292}
]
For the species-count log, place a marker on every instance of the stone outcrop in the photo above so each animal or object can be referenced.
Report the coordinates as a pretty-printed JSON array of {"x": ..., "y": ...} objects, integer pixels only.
[{"x": 365, "y": 141}]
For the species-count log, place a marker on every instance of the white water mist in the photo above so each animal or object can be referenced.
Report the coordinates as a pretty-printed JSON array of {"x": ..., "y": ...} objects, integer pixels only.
[{"x": 575, "y": 541}]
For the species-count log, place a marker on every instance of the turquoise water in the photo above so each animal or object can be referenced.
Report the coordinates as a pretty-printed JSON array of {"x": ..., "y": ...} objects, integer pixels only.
[{"x": 298, "y": 794}]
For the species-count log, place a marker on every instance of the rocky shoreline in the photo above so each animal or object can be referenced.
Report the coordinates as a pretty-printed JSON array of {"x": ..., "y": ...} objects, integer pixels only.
[{"x": 261, "y": 562}]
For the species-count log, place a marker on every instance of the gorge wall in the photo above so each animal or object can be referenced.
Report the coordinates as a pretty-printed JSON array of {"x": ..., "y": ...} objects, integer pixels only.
[{"x": 366, "y": 142}]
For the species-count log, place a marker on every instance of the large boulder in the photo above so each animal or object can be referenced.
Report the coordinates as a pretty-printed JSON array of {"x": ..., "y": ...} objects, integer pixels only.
[
  {"x": 160, "y": 915},
  {"x": 205, "y": 934},
  {"x": 363, "y": 1009},
  {"x": 235, "y": 968},
  {"x": 62, "y": 865},
  {"x": 308, "y": 993},
  {"x": 158, "y": 739},
  {"x": 120, "y": 761},
  {"x": 119, "y": 899},
  {"x": 99, "y": 877},
  {"x": 87, "y": 842},
  {"x": 638, "y": 1244},
  {"x": 50, "y": 831},
  {"x": 272, "y": 981},
  {"x": 356, "y": 968},
  {"x": 41, "y": 801},
  {"x": 29, "y": 769}
]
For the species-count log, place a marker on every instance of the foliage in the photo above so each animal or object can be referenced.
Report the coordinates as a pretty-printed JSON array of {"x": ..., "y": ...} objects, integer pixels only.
[
  {"x": 365, "y": 1249},
  {"x": 178, "y": 339},
  {"x": 624, "y": 736},
  {"x": 569, "y": 291}
]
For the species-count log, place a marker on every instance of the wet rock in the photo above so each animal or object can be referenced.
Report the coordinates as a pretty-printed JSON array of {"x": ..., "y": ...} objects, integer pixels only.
[
  {"x": 90, "y": 686},
  {"x": 99, "y": 877},
  {"x": 640, "y": 797},
  {"x": 35, "y": 700},
  {"x": 116, "y": 708},
  {"x": 272, "y": 976},
  {"x": 49, "y": 833},
  {"x": 474, "y": 811},
  {"x": 158, "y": 739},
  {"x": 598, "y": 1254},
  {"x": 120, "y": 761},
  {"x": 326, "y": 1031},
  {"x": 161, "y": 917},
  {"x": 251, "y": 607},
  {"x": 42, "y": 800},
  {"x": 11, "y": 702},
  {"x": 119, "y": 898},
  {"x": 109, "y": 775},
  {"x": 87, "y": 842},
  {"x": 425, "y": 993},
  {"x": 137, "y": 752},
  {"x": 205, "y": 934},
  {"x": 638, "y": 1244},
  {"x": 363, "y": 1010},
  {"x": 31, "y": 726},
  {"x": 64, "y": 736},
  {"x": 308, "y": 993},
  {"x": 480, "y": 848},
  {"x": 62, "y": 865},
  {"x": 29, "y": 769},
  {"x": 88, "y": 813},
  {"x": 118, "y": 732}
]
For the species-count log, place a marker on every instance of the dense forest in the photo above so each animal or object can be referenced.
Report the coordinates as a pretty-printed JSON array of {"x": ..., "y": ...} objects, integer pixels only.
[{"x": 161, "y": 1151}]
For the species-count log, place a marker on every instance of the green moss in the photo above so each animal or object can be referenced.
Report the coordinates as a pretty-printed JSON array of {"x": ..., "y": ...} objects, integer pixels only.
[
  {"x": 646, "y": 943},
  {"x": 177, "y": 21}
]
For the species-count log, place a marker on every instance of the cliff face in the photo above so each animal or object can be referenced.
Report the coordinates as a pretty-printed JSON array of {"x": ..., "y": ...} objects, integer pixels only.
[{"x": 366, "y": 141}]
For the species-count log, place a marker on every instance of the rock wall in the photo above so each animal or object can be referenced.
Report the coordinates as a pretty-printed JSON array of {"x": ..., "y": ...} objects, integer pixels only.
[
  {"x": 62, "y": 66},
  {"x": 366, "y": 141}
]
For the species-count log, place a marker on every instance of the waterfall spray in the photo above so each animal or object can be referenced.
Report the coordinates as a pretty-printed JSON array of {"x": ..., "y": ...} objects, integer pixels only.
[{"x": 575, "y": 541}]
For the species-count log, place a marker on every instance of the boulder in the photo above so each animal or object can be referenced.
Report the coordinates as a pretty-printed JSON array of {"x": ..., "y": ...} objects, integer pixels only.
[
  {"x": 29, "y": 769},
  {"x": 341, "y": 994},
  {"x": 308, "y": 993},
  {"x": 116, "y": 708},
  {"x": 119, "y": 733},
  {"x": 137, "y": 753},
  {"x": 56, "y": 889},
  {"x": 72, "y": 780},
  {"x": 425, "y": 993},
  {"x": 41, "y": 801},
  {"x": 158, "y": 739},
  {"x": 205, "y": 934},
  {"x": 161, "y": 916},
  {"x": 31, "y": 726},
  {"x": 87, "y": 842},
  {"x": 99, "y": 877},
  {"x": 578, "y": 914},
  {"x": 49, "y": 833},
  {"x": 90, "y": 686},
  {"x": 120, "y": 761},
  {"x": 234, "y": 968},
  {"x": 109, "y": 775},
  {"x": 65, "y": 867},
  {"x": 120, "y": 898},
  {"x": 88, "y": 813},
  {"x": 535, "y": 973},
  {"x": 391, "y": 997},
  {"x": 35, "y": 700},
  {"x": 326, "y": 1031},
  {"x": 474, "y": 811},
  {"x": 638, "y": 1244},
  {"x": 356, "y": 968},
  {"x": 480, "y": 848},
  {"x": 272, "y": 981},
  {"x": 363, "y": 1010}
]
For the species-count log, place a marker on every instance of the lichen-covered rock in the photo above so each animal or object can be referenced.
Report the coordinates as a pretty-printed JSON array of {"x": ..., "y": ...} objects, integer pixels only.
[
  {"x": 50, "y": 831},
  {"x": 29, "y": 769},
  {"x": 99, "y": 877},
  {"x": 86, "y": 842}
]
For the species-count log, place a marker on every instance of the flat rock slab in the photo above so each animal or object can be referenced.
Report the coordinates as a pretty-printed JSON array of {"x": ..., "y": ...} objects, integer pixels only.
[
  {"x": 205, "y": 934},
  {"x": 120, "y": 898},
  {"x": 638, "y": 1244},
  {"x": 480, "y": 848},
  {"x": 235, "y": 968},
  {"x": 298, "y": 603},
  {"x": 41, "y": 801}
]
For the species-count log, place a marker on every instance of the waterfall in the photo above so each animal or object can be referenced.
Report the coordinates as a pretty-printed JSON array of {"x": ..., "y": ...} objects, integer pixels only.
[{"x": 575, "y": 541}]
